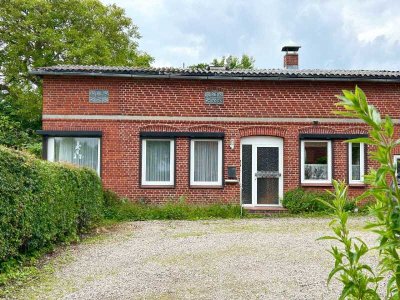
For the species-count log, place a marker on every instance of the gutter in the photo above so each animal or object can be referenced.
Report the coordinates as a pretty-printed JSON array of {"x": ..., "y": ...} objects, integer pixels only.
[{"x": 214, "y": 77}]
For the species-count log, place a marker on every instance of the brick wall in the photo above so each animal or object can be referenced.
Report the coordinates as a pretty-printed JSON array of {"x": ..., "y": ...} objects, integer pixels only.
[{"x": 185, "y": 98}]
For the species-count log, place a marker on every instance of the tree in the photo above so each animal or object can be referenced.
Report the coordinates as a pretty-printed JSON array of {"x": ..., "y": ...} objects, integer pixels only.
[
  {"x": 35, "y": 33},
  {"x": 231, "y": 62}
]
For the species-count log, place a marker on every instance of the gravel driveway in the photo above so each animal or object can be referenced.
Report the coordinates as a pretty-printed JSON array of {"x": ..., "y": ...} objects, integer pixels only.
[{"x": 275, "y": 258}]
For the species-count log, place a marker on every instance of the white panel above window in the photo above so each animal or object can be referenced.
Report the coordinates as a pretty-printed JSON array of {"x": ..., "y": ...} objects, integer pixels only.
[
  {"x": 316, "y": 161},
  {"x": 206, "y": 162},
  {"x": 158, "y": 162},
  {"x": 356, "y": 162},
  {"x": 80, "y": 151}
]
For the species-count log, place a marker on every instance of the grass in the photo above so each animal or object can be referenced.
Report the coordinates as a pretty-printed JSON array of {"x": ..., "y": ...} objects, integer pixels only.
[{"x": 119, "y": 210}]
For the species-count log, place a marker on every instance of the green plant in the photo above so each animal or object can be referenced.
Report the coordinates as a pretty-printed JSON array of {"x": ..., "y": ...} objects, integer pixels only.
[
  {"x": 42, "y": 204},
  {"x": 358, "y": 279},
  {"x": 384, "y": 191},
  {"x": 124, "y": 210},
  {"x": 301, "y": 201}
]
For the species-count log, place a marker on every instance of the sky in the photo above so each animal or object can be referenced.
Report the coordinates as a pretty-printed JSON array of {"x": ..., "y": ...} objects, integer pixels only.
[{"x": 333, "y": 34}]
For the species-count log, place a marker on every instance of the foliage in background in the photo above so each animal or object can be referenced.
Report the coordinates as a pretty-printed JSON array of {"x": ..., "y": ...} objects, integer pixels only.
[
  {"x": 301, "y": 201},
  {"x": 117, "y": 209},
  {"x": 42, "y": 204},
  {"x": 385, "y": 192},
  {"x": 231, "y": 62},
  {"x": 39, "y": 33}
]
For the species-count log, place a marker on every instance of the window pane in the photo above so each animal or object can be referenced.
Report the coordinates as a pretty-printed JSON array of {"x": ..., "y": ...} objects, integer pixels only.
[
  {"x": 316, "y": 160},
  {"x": 206, "y": 161},
  {"x": 355, "y": 161},
  {"x": 78, "y": 151},
  {"x": 158, "y": 160}
]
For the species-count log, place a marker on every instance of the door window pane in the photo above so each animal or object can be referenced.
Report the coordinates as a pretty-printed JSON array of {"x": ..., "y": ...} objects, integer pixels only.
[{"x": 83, "y": 152}]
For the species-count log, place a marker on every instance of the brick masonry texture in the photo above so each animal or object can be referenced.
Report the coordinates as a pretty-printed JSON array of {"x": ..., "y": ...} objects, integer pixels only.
[{"x": 120, "y": 165}]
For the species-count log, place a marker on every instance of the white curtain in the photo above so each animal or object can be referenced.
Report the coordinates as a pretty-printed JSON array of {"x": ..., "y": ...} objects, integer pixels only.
[
  {"x": 78, "y": 151},
  {"x": 158, "y": 160},
  {"x": 206, "y": 161}
]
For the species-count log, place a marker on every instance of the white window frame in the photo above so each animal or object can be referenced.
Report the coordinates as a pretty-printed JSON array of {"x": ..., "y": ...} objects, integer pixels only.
[
  {"x": 171, "y": 182},
  {"x": 395, "y": 158},
  {"x": 206, "y": 183},
  {"x": 362, "y": 163},
  {"x": 329, "y": 160},
  {"x": 50, "y": 149}
]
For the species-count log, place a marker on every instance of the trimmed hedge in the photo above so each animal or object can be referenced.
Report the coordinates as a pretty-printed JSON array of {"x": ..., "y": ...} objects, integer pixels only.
[
  {"x": 299, "y": 201},
  {"x": 43, "y": 203}
]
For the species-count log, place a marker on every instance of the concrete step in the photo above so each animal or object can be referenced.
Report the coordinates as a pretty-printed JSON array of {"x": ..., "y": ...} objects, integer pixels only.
[{"x": 265, "y": 210}]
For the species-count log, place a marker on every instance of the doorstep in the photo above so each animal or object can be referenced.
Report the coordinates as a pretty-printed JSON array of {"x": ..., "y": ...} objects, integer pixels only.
[{"x": 265, "y": 210}]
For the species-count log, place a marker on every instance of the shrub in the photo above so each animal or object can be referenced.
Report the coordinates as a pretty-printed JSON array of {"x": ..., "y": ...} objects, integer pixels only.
[
  {"x": 124, "y": 210},
  {"x": 299, "y": 201},
  {"x": 43, "y": 203}
]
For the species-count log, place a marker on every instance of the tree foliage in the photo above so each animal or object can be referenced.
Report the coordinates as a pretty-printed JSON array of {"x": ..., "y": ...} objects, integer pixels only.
[
  {"x": 37, "y": 33},
  {"x": 359, "y": 279},
  {"x": 231, "y": 62}
]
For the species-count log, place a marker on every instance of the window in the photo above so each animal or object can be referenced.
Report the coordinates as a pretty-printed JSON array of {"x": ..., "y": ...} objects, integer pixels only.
[
  {"x": 158, "y": 162},
  {"x": 356, "y": 162},
  {"x": 80, "y": 151},
  {"x": 206, "y": 162},
  {"x": 316, "y": 161}
]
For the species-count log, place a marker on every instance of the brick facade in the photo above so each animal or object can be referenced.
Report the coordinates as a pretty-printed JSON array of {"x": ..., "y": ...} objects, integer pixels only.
[{"x": 283, "y": 109}]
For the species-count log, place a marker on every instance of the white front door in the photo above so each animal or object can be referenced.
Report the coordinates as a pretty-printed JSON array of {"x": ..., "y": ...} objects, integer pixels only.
[{"x": 262, "y": 170}]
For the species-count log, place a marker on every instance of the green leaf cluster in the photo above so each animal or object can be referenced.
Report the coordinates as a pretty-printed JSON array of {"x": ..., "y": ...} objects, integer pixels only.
[
  {"x": 230, "y": 62},
  {"x": 38, "y": 33},
  {"x": 385, "y": 193},
  {"x": 43, "y": 203}
]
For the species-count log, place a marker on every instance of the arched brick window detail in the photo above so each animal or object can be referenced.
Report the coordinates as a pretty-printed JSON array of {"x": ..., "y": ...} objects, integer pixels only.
[
  {"x": 355, "y": 130},
  {"x": 317, "y": 130},
  {"x": 159, "y": 128},
  {"x": 206, "y": 128},
  {"x": 262, "y": 130}
]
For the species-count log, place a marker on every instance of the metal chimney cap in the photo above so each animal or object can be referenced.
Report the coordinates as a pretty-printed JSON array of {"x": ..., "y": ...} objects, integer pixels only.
[{"x": 291, "y": 48}]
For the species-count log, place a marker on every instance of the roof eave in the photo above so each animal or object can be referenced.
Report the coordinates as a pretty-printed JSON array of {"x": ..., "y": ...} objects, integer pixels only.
[{"x": 213, "y": 77}]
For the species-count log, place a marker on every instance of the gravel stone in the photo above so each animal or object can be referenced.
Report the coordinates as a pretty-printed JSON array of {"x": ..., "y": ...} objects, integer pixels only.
[{"x": 271, "y": 258}]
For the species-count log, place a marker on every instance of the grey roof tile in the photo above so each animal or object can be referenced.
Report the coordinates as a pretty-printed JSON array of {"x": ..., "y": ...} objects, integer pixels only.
[{"x": 209, "y": 73}]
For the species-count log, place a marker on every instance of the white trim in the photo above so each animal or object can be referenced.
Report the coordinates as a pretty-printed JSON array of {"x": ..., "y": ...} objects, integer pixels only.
[
  {"x": 362, "y": 163},
  {"x": 395, "y": 158},
  {"x": 329, "y": 160},
  {"x": 261, "y": 141},
  {"x": 206, "y": 183},
  {"x": 51, "y": 153},
  {"x": 203, "y": 119},
  {"x": 171, "y": 164}
]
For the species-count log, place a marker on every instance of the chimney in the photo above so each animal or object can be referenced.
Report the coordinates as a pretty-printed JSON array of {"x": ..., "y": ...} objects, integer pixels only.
[{"x": 291, "y": 58}]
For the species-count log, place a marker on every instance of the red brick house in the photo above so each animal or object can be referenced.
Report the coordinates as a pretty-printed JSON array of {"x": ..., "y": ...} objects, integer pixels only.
[{"x": 212, "y": 135}]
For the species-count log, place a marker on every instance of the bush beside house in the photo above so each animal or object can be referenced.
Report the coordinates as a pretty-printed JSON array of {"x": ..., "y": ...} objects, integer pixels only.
[{"x": 43, "y": 203}]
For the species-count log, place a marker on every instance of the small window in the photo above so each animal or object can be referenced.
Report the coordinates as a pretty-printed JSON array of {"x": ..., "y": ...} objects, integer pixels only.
[
  {"x": 80, "y": 151},
  {"x": 316, "y": 161},
  {"x": 206, "y": 162},
  {"x": 356, "y": 163},
  {"x": 158, "y": 161}
]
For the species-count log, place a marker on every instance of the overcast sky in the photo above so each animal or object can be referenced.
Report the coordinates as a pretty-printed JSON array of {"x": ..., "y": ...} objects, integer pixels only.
[{"x": 337, "y": 34}]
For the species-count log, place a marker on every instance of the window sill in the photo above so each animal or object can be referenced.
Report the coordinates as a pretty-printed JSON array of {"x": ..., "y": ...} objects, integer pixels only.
[
  {"x": 206, "y": 186},
  {"x": 157, "y": 186},
  {"x": 322, "y": 184},
  {"x": 360, "y": 185}
]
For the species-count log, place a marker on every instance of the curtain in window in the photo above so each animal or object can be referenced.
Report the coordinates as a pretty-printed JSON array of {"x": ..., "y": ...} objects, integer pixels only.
[
  {"x": 158, "y": 160},
  {"x": 355, "y": 161},
  {"x": 82, "y": 152},
  {"x": 206, "y": 161}
]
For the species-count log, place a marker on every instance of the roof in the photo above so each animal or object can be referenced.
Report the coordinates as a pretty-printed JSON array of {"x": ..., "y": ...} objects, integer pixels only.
[{"x": 222, "y": 74}]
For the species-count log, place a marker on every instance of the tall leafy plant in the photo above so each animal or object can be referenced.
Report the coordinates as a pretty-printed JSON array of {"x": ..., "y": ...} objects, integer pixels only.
[{"x": 359, "y": 281}]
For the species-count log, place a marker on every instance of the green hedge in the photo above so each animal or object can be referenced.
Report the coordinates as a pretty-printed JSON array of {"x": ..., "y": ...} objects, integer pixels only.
[
  {"x": 43, "y": 203},
  {"x": 300, "y": 201}
]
